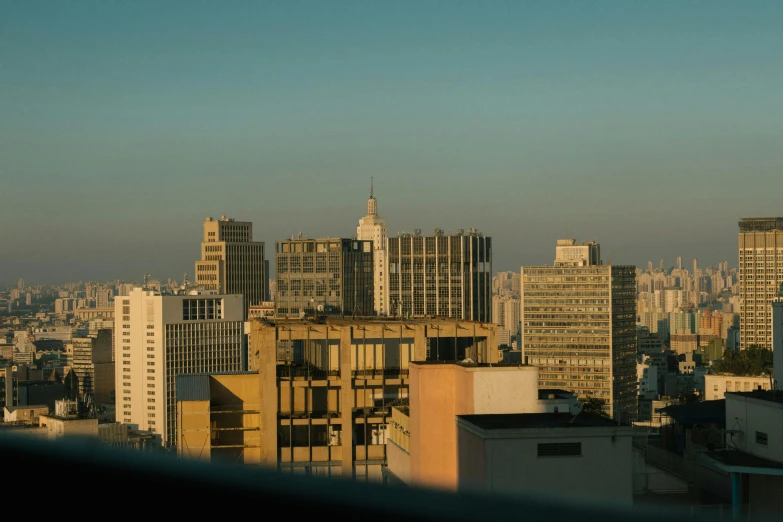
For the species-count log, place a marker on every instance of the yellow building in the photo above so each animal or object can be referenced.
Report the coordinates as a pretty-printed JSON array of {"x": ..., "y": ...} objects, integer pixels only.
[{"x": 324, "y": 392}]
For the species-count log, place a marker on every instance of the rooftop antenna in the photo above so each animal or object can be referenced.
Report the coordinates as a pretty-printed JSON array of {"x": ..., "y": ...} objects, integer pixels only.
[
  {"x": 146, "y": 279},
  {"x": 371, "y": 183}
]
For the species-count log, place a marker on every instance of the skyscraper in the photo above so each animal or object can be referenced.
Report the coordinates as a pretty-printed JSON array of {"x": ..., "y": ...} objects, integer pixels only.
[
  {"x": 231, "y": 262},
  {"x": 760, "y": 277},
  {"x": 579, "y": 326},
  {"x": 159, "y": 337},
  {"x": 372, "y": 227},
  {"x": 328, "y": 275},
  {"x": 440, "y": 275}
]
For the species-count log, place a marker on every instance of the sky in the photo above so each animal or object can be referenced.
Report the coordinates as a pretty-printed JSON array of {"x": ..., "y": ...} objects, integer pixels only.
[{"x": 651, "y": 127}]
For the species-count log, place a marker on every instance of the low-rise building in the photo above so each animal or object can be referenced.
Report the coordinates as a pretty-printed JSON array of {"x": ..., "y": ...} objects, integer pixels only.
[{"x": 717, "y": 384}]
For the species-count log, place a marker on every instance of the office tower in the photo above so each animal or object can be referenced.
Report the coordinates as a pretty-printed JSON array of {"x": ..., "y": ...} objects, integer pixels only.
[
  {"x": 89, "y": 353},
  {"x": 649, "y": 266},
  {"x": 328, "y": 414},
  {"x": 440, "y": 275},
  {"x": 102, "y": 297},
  {"x": 760, "y": 277},
  {"x": 661, "y": 265},
  {"x": 20, "y": 285},
  {"x": 679, "y": 262},
  {"x": 372, "y": 227},
  {"x": 326, "y": 276},
  {"x": 231, "y": 262},
  {"x": 695, "y": 266},
  {"x": 579, "y": 326},
  {"x": 159, "y": 337}
]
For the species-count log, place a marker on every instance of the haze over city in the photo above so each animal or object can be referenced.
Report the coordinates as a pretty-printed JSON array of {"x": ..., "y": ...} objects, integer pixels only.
[{"x": 650, "y": 127}]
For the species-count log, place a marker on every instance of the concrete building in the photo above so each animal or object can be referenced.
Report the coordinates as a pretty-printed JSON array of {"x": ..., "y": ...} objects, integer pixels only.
[
  {"x": 86, "y": 314},
  {"x": 232, "y": 263},
  {"x": 440, "y": 275},
  {"x": 422, "y": 446},
  {"x": 579, "y": 327},
  {"x": 760, "y": 277},
  {"x": 159, "y": 337},
  {"x": 372, "y": 227},
  {"x": 326, "y": 415},
  {"x": 717, "y": 385},
  {"x": 506, "y": 313},
  {"x": 24, "y": 414},
  {"x": 589, "y": 457},
  {"x": 328, "y": 276},
  {"x": 88, "y": 354}
]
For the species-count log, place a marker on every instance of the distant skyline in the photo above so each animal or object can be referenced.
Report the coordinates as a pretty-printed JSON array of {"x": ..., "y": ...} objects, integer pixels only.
[{"x": 652, "y": 127}]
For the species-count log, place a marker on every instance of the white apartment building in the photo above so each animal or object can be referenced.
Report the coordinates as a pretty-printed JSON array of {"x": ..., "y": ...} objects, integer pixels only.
[
  {"x": 760, "y": 277},
  {"x": 506, "y": 313},
  {"x": 158, "y": 337},
  {"x": 716, "y": 385},
  {"x": 372, "y": 227}
]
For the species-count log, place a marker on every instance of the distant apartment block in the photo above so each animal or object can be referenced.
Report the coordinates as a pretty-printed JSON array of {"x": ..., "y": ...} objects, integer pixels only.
[
  {"x": 159, "y": 337},
  {"x": 232, "y": 263},
  {"x": 579, "y": 326},
  {"x": 441, "y": 275},
  {"x": 328, "y": 276},
  {"x": 760, "y": 277}
]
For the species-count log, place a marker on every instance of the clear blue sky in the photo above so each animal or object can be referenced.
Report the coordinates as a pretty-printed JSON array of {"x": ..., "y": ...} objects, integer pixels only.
[{"x": 650, "y": 126}]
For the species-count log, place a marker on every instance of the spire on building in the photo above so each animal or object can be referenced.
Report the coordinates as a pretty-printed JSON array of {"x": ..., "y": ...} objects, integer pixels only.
[{"x": 372, "y": 205}]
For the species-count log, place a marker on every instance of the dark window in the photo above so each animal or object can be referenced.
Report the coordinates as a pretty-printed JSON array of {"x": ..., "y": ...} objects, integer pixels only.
[{"x": 560, "y": 449}]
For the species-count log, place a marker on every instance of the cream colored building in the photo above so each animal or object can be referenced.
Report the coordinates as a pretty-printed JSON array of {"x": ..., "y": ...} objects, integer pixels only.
[
  {"x": 760, "y": 277},
  {"x": 159, "y": 337},
  {"x": 548, "y": 457},
  {"x": 506, "y": 313},
  {"x": 579, "y": 327},
  {"x": 422, "y": 446},
  {"x": 372, "y": 227},
  {"x": 232, "y": 263},
  {"x": 326, "y": 415},
  {"x": 716, "y": 385}
]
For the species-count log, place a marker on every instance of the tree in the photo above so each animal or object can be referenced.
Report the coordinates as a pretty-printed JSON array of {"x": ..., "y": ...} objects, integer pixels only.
[
  {"x": 593, "y": 405},
  {"x": 754, "y": 360}
]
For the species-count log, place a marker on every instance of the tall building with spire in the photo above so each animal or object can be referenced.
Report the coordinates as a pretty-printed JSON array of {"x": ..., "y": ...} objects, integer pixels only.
[{"x": 372, "y": 227}]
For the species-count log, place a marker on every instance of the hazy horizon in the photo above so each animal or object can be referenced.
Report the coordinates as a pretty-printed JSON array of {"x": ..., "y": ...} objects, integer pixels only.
[{"x": 651, "y": 127}]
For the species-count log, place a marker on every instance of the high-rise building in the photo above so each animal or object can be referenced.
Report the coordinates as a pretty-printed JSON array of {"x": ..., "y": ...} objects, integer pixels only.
[
  {"x": 88, "y": 354},
  {"x": 760, "y": 277},
  {"x": 505, "y": 313},
  {"x": 440, "y": 275},
  {"x": 330, "y": 276},
  {"x": 372, "y": 227},
  {"x": 579, "y": 326},
  {"x": 20, "y": 285},
  {"x": 232, "y": 263},
  {"x": 159, "y": 337},
  {"x": 679, "y": 262}
]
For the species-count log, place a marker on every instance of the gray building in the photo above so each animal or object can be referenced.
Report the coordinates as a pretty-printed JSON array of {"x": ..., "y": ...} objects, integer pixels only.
[
  {"x": 441, "y": 275},
  {"x": 332, "y": 276}
]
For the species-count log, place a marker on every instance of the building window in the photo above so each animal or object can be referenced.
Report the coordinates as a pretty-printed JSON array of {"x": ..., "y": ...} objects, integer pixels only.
[
  {"x": 761, "y": 438},
  {"x": 560, "y": 449}
]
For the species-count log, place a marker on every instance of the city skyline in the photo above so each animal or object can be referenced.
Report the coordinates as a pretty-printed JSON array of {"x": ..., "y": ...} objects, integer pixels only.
[{"x": 125, "y": 124}]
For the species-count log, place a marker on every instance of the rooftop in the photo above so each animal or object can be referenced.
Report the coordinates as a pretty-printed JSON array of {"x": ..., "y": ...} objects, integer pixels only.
[
  {"x": 740, "y": 459},
  {"x": 710, "y": 412},
  {"x": 469, "y": 363},
  {"x": 515, "y": 421},
  {"x": 764, "y": 395}
]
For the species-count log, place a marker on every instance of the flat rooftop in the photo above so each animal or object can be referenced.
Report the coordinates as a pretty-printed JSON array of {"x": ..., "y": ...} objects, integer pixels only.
[
  {"x": 764, "y": 395},
  {"x": 471, "y": 364},
  {"x": 516, "y": 421}
]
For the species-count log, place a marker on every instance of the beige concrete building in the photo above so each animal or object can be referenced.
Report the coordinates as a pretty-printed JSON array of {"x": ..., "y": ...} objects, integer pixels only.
[
  {"x": 440, "y": 275},
  {"x": 160, "y": 337},
  {"x": 372, "y": 227},
  {"x": 86, "y": 314},
  {"x": 89, "y": 356},
  {"x": 716, "y": 385},
  {"x": 232, "y": 263},
  {"x": 506, "y": 313},
  {"x": 24, "y": 414},
  {"x": 327, "y": 276},
  {"x": 328, "y": 414},
  {"x": 760, "y": 277},
  {"x": 422, "y": 447},
  {"x": 547, "y": 456},
  {"x": 579, "y": 327}
]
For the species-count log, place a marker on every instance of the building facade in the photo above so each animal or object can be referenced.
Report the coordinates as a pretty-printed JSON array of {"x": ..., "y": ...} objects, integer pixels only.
[
  {"x": 440, "y": 275},
  {"x": 330, "y": 276},
  {"x": 760, "y": 277},
  {"x": 159, "y": 337},
  {"x": 372, "y": 227},
  {"x": 579, "y": 327},
  {"x": 506, "y": 313},
  {"x": 328, "y": 414},
  {"x": 232, "y": 263}
]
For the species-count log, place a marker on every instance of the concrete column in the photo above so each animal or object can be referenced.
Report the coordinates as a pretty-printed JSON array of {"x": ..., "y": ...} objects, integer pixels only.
[
  {"x": 346, "y": 400},
  {"x": 265, "y": 341}
]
